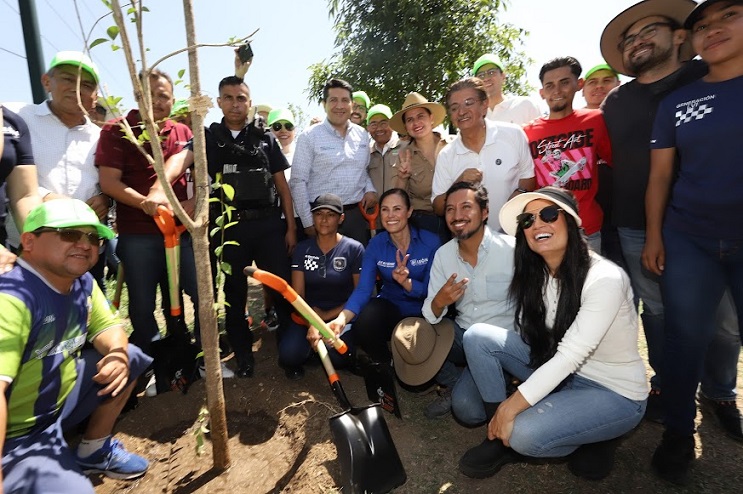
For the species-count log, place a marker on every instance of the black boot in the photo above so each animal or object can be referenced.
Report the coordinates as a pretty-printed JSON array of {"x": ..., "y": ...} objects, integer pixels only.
[
  {"x": 593, "y": 461},
  {"x": 672, "y": 459},
  {"x": 485, "y": 459}
]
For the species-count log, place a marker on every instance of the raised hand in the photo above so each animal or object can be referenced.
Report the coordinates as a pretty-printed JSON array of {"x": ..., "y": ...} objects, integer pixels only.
[
  {"x": 401, "y": 273},
  {"x": 403, "y": 164},
  {"x": 451, "y": 292}
]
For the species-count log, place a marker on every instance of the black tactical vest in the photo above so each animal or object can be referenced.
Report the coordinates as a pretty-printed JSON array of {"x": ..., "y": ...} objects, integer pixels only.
[{"x": 245, "y": 167}]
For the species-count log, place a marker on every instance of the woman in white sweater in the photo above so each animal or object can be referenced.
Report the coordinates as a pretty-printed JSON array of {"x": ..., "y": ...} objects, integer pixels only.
[{"x": 583, "y": 382}]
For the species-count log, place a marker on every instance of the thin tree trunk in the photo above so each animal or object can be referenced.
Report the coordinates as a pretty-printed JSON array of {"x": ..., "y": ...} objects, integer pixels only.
[{"x": 207, "y": 312}]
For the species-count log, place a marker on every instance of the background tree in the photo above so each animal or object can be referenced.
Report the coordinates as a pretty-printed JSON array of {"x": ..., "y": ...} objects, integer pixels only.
[{"x": 391, "y": 47}]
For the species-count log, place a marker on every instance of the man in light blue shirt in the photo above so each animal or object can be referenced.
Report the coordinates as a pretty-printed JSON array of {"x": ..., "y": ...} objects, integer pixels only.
[
  {"x": 473, "y": 272},
  {"x": 332, "y": 157}
]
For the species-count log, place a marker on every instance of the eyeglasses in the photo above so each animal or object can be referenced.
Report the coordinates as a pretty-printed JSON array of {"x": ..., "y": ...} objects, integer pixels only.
[
  {"x": 278, "y": 125},
  {"x": 382, "y": 124},
  {"x": 487, "y": 74},
  {"x": 467, "y": 104},
  {"x": 358, "y": 108},
  {"x": 547, "y": 214},
  {"x": 646, "y": 33},
  {"x": 73, "y": 236}
]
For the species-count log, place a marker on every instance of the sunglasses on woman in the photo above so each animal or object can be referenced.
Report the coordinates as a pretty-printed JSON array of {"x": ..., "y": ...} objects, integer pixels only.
[
  {"x": 547, "y": 214},
  {"x": 73, "y": 236},
  {"x": 278, "y": 125}
]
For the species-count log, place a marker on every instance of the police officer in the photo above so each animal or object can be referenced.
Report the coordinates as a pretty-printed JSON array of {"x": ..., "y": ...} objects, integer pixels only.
[{"x": 250, "y": 160}]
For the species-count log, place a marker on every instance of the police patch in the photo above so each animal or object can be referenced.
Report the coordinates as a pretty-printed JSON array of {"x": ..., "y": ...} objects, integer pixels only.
[{"x": 339, "y": 263}]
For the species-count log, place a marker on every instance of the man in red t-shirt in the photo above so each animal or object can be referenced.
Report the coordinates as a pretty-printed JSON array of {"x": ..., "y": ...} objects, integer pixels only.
[
  {"x": 567, "y": 145},
  {"x": 126, "y": 176}
]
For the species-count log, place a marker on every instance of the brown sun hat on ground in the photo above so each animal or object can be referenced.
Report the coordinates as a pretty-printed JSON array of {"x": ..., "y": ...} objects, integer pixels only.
[{"x": 419, "y": 348}]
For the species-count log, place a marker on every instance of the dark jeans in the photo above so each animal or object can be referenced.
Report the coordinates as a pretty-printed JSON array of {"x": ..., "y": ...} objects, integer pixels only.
[
  {"x": 143, "y": 257},
  {"x": 294, "y": 349},
  {"x": 697, "y": 272}
]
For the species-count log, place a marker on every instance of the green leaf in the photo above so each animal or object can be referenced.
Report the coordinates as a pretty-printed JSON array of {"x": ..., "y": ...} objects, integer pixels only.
[
  {"x": 180, "y": 73},
  {"x": 145, "y": 9},
  {"x": 232, "y": 223},
  {"x": 225, "y": 267},
  {"x": 229, "y": 191},
  {"x": 231, "y": 242},
  {"x": 214, "y": 199},
  {"x": 214, "y": 231},
  {"x": 131, "y": 10},
  {"x": 219, "y": 221},
  {"x": 97, "y": 42},
  {"x": 115, "y": 47},
  {"x": 112, "y": 32}
]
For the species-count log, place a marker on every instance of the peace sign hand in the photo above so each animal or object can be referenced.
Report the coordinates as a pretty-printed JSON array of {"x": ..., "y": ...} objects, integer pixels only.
[
  {"x": 401, "y": 273},
  {"x": 403, "y": 165}
]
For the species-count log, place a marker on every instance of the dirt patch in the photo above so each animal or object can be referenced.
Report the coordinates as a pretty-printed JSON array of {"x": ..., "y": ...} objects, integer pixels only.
[{"x": 280, "y": 442}]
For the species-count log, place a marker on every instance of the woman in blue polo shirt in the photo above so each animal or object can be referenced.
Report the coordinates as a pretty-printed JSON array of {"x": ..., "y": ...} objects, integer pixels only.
[{"x": 401, "y": 257}]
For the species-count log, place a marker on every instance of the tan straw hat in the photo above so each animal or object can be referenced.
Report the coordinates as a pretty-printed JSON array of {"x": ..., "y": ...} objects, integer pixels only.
[
  {"x": 415, "y": 100},
  {"x": 419, "y": 348},
  {"x": 678, "y": 10}
]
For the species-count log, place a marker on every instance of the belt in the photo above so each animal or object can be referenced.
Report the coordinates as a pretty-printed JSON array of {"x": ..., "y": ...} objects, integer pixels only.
[
  {"x": 347, "y": 207},
  {"x": 255, "y": 214}
]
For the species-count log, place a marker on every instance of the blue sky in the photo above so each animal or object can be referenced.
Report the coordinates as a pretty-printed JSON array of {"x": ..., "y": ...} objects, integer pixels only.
[{"x": 293, "y": 34}]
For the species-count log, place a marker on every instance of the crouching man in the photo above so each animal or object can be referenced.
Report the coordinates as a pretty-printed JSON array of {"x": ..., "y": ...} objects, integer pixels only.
[{"x": 49, "y": 307}]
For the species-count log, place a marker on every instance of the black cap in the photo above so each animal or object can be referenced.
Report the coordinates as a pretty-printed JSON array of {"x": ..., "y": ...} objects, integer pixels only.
[
  {"x": 327, "y": 201},
  {"x": 701, "y": 7}
]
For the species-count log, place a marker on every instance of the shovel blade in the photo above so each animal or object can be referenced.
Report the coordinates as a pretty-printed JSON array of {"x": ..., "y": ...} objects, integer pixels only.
[{"x": 367, "y": 455}]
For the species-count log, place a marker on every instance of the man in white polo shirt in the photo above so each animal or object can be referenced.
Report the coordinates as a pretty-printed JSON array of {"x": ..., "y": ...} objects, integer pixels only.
[
  {"x": 495, "y": 154},
  {"x": 64, "y": 139}
]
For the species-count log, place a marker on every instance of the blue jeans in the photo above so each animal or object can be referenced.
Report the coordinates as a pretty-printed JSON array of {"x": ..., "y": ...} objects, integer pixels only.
[
  {"x": 579, "y": 411},
  {"x": 697, "y": 272},
  {"x": 143, "y": 257},
  {"x": 594, "y": 241},
  {"x": 721, "y": 363}
]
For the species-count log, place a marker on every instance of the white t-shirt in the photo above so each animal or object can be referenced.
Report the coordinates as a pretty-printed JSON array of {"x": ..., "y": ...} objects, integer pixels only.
[
  {"x": 503, "y": 160},
  {"x": 518, "y": 110}
]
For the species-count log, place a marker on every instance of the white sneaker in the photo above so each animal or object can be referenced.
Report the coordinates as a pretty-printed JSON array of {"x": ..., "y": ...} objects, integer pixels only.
[
  {"x": 226, "y": 372},
  {"x": 151, "y": 389}
]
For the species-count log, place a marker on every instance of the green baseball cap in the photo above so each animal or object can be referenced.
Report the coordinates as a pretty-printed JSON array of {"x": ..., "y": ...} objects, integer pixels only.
[
  {"x": 486, "y": 59},
  {"x": 64, "y": 213},
  {"x": 361, "y": 96},
  {"x": 378, "y": 110},
  {"x": 76, "y": 58},
  {"x": 601, "y": 66},
  {"x": 280, "y": 114}
]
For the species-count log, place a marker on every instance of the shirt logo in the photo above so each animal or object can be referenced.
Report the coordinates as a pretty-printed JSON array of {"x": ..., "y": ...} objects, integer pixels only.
[
  {"x": 339, "y": 263},
  {"x": 310, "y": 263},
  {"x": 692, "y": 113}
]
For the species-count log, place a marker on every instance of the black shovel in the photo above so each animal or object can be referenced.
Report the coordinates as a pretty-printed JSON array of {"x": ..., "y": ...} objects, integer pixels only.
[
  {"x": 367, "y": 455},
  {"x": 366, "y": 452}
]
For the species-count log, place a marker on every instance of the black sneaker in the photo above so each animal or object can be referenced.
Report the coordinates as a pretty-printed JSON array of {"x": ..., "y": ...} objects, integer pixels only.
[
  {"x": 654, "y": 411},
  {"x": 673, "y": 456},
  {"x": 727, "y": 415},
  {"x": 271, "y": 321},
  {"x": 593, "y": 461},
  {"x": 245, "y": 366},
  {"x": 294, "y": 373},
  {"x": 485, "y": 459}
]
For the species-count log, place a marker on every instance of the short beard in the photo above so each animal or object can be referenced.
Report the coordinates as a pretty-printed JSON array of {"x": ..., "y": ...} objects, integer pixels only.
[
  {"x": 656, "y": 58},
  {"x": 469, "y": 234}
]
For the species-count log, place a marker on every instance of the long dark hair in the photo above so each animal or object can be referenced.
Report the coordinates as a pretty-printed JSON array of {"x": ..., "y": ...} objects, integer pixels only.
[{"x": 530, "y": 278}]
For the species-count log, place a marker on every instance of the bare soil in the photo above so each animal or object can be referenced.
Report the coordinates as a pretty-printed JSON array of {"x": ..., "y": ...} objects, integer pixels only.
[{"x": 280, "y": 442}]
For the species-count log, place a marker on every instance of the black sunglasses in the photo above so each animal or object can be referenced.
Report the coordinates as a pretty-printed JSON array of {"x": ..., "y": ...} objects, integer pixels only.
[
  {"x": 73, "y": 236},
  {"x": 287, "y": 125},
  {"x": 547, "y": 214}
]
